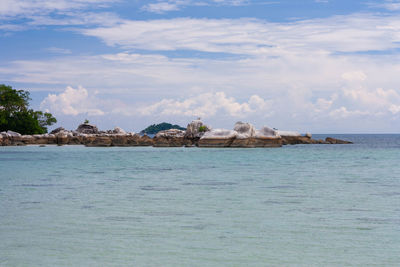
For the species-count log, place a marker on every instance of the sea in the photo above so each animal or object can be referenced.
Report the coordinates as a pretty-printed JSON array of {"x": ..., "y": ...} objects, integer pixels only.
[{"x": 302, "y": 205}]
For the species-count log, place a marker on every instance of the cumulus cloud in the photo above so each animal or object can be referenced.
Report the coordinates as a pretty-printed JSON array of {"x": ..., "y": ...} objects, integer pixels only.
[
  {"x": 72, "y": 102},
  {"x": 394, "y": 109},
  {"x": 354, "y": 76},
  {"x": 378, "y": 99},
  {"x": 343, "y": 112},
  {"x": 206, "y": 105}
]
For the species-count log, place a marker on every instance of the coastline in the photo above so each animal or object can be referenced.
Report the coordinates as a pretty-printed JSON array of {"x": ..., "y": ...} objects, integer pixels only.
[{"x": 197, "y": 134}]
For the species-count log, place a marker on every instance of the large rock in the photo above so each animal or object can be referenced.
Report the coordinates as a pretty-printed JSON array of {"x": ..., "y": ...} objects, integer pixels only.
[
  {"x": 13, "y": 134},
  {"x": 170, "y": 138},
  {"x": 266, "y": 132},
  {"x": 118, "y": 130},
  {"x": 249, "y": 137},
  {"x": 15, "y": 138},
  {"x": 57, "y": 130},
  {"x": 5, "y": 139},
  {"x": 331, "y": 140},
  {"x": 244, "y": 133},
  {"x": 145, "y": 140},
  {"x": 244, "y": 130},
  {"x": 217, "y": 138},
  {"x": 101, "y": 141},
  {"x": 87, "y": 128},
  {"x": 266, "y": 137},
  {"x": 28, "y": 139},
  {"x": 133, "y": 139},
  {"x": 294, "y": 138},
  {"x": 45, "y": 139},
  {"x": 287, "y": 133},
  {"x": 63, "y": 137},
  {"x": 196, "y": 129},
  {"x": 128, "y": 139}
]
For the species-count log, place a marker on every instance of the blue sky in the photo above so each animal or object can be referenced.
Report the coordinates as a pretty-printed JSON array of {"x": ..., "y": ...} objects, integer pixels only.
[{"x": 324, "y": 66}]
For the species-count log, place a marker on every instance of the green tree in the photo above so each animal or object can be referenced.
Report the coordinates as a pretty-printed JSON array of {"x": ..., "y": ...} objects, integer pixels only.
[
  {"x": 155, "y": 128},
  {"x": 15, "y": 114}
]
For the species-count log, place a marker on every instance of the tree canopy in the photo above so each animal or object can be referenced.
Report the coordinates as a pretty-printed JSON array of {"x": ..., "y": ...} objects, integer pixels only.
[
  {"x": 15, "y": 114},
  {"x": 155, "y": 128}
]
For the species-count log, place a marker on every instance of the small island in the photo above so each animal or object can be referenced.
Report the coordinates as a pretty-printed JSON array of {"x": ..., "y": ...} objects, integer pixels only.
[
  {"x": 20, "y": 125},
  {"x": 155, "y": 128},
  {"x": 197, "y": 134}
]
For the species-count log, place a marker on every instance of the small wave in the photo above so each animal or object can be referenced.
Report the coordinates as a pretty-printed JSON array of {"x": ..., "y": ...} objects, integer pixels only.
[
  {"x": 160, "y": 189},
  {"x": 123, "y": 219},
  {"x": 211, "y": 183},
  {"x": 39, "y": 185}
]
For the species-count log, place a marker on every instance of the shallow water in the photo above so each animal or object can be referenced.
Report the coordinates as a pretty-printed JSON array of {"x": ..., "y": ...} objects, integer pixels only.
[{"x": 304, "y": 205}]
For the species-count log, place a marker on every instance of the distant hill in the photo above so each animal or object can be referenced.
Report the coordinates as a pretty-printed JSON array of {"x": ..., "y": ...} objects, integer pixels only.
[{"x": 155, "y": 128}]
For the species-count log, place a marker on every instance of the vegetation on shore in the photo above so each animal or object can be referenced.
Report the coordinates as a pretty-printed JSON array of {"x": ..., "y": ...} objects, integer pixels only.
[
  {"x": 15, "y": 114},
  {"x": 155, "y": 128}
]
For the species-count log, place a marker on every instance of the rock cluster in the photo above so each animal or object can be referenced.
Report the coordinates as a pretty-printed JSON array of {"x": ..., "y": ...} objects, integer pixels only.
[
  {"x": 196, "y": 129},
  {"x": 197, "y": 134}
]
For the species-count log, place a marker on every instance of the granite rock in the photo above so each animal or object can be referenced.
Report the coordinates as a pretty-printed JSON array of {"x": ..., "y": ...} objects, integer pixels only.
[
  {"x": 87, "y": 128},
  {"x": 217, "y": 138}
]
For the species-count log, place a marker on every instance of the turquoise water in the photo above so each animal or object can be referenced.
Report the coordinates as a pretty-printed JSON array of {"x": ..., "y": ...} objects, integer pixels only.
[{"x": 304, "y": 205}]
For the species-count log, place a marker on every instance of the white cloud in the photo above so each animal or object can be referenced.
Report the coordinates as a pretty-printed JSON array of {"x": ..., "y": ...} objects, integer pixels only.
[
  {"x": 323, "y": 104},
  {"x": 206, "y": 105},
  {"x": 58, "y": 50},
  {"x": 11, "y": 8},
  {"x": 353, "y": 33},
  {"x": 391, "y": 5},
  {"x": 60, "y": 13},
  {"x": 356, "y": 76},
  {"x": 378, "y": 99},
  {"x": 72, "y": 102},
  {"x": 166, "y": 6},
  {"x": 394, "y": 109},
  {"x": 163, "y": 6},
  {"x": 342, "y": 113},
  {"x": 294, "y": 64}
]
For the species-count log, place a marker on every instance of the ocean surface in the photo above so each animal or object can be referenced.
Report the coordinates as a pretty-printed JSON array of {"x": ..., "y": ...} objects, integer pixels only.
[{"x": 303, "y": 205}]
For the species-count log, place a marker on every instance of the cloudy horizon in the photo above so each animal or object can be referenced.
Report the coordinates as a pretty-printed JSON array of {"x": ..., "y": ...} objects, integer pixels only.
[{"x": 311, "y": 66}]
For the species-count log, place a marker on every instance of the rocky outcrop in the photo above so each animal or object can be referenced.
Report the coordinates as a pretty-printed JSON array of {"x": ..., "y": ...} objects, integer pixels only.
[
  {"x": 145, "y": 140},
  {"x": 245, "y": 132},
  {"x": 171, "y": 138},
  {"x": 217, "y": 138},
  {"x": 249, "y": 137},
  {"x": 118, "y": 130},
  {"x": 266, "y": 137},
  {"x": 243, "y": 135},
  {"x": 296, "y": 140},
  {"x": 266, "y": 132},
  {"x": 196, "y": 129},
  {"x": 287, "y": 133},
  {"x": 57, "y": 130},
  {"x": 87, "y": 128},
  {"x": 331, "y": 140},
  {"x": 99, "y": 141}
]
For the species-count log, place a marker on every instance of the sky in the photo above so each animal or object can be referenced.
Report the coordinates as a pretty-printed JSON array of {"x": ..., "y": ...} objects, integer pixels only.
[{"x": 320, "y": 66}]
